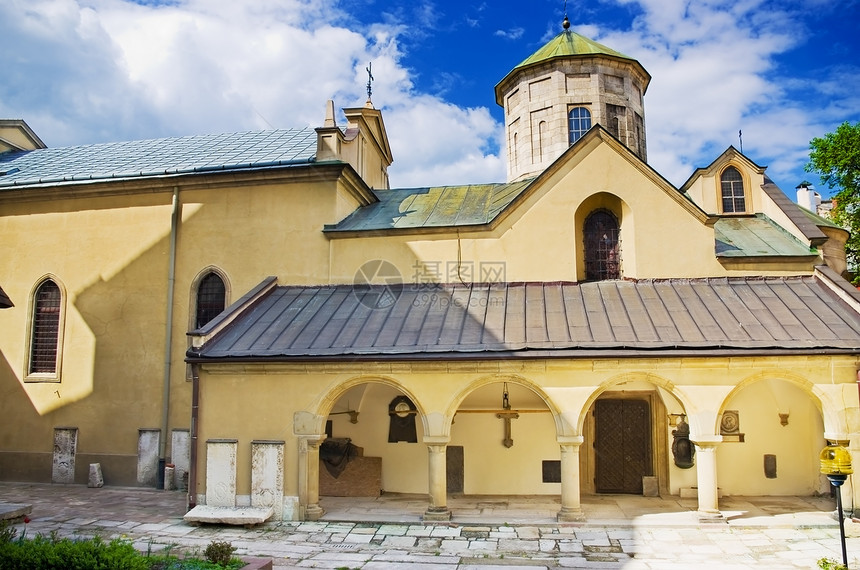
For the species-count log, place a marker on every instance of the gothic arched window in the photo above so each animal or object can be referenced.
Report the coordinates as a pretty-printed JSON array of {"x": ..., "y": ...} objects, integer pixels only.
[
  {"x": 578, "y": 123},
  {"x": 602, "y": 247},
  {"x": 211, "y": 298},
  {"x": 45, "y": 331},
  {"x": 732, "y": 190}
]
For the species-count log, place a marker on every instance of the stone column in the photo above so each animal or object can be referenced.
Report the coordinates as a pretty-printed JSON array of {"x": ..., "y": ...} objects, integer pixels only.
[
  {"x": 438, "y": 509},
  {"x": 706, "y": 474},
  {"x": 571, "y": 508},
  {"x": 313, "y": 511}
]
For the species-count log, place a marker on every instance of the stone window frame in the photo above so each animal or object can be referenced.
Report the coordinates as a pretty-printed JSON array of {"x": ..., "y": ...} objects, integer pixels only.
[
  {"x": 54, "y": 375},
  {"x": 574, "y": 135},
  {"x": 194, "y": 304}
]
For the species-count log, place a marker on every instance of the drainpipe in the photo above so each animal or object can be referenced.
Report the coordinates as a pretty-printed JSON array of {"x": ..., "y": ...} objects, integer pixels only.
[
  {"x": 192, "y": 463},
  {"x": 168, "y": 339}
]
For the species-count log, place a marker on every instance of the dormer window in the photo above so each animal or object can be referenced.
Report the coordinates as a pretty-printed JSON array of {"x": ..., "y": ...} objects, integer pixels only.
[
  {"x": 578, "y": 123},
  {"x": 732, "y": 190}
]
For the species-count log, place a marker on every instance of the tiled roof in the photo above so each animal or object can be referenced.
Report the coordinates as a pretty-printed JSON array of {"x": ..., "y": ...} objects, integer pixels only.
[
  {"x": 438, "y": 206},
  {"x": 700, "y": 316},
  {"x": 157, "y": 157},
  {"x": 756, "y": 236}
]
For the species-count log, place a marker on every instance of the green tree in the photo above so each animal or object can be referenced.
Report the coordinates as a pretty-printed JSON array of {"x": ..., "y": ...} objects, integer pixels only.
[{"x": 835, "y": 157}]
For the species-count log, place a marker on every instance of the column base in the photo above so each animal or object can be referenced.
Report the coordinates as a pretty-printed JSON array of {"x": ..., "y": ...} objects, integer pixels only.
[
  {"x": 437, "y": 514},
  {"x": 711, "y": 517},
  {"x": 313, "y": 513},
  {"x": 570, "y": 515}
]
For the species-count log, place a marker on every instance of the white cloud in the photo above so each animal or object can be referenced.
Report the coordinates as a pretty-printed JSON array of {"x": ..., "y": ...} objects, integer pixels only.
[{"x": 94, "y": 70}]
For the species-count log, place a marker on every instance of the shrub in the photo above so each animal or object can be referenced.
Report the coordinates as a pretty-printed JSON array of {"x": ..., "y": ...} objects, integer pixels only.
[{"x": 219, "y": 552}]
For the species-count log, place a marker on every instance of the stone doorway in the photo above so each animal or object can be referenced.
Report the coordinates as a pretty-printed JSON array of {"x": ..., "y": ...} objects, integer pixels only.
[{"x": 622, "y": 445}]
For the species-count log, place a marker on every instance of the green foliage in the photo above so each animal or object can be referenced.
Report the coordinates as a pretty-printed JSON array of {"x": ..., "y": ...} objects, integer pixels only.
[
  {"x": 54, "y": 553},
  {"x": 836, "y": 158},
  {"x": 830, "y": 564},
  {"x": 219, "y": 552}
]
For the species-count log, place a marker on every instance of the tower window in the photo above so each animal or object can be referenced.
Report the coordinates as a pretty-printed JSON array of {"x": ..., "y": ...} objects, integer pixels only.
[
  {"x": 45, "y": 334},
  {"x": 211, "y": 298},
  {"x": 602, "y": 247},
  {"x": 578, "y": 121},
  {"x": 732, "y": 188}
]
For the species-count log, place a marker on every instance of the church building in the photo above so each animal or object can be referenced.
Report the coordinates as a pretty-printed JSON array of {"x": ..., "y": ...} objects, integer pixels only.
[{"x": 260, "y": 319}]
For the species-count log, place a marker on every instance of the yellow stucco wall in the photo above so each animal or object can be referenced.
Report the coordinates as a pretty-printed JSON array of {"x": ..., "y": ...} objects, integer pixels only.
[{"x": 819, "y": 394}]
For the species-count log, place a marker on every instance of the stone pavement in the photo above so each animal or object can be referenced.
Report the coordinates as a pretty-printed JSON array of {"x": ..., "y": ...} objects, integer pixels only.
[{"x": 620, "y": 531}]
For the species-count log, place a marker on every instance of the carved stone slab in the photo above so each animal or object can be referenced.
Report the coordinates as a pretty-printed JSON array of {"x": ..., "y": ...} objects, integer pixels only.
[{"x": 228, "y": 515}]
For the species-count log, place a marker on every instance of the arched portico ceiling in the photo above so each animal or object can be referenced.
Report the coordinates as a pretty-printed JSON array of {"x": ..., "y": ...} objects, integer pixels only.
[
  {"x": 356, "y": 386},
  {"x": 828, "y": 408}
]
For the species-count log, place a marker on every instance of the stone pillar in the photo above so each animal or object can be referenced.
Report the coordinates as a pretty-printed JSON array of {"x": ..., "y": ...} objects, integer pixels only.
[
  {"x": 309, "y": 482},
  {"x": 438, "y": 509},
  {"x": 706, "y": 474},
  {"x": 571, "y": 508}
]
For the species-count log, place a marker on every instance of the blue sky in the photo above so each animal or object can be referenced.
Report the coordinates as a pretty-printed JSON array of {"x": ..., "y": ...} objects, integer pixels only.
[{"x": 86, "y": 71}]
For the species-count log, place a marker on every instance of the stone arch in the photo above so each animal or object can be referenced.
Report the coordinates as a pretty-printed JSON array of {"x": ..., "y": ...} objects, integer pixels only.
[
  {"x": 320, "y": 410},
  {"x": 624, "y": 378},
  {"x": 822, "y": 401},
  {"x": 459, "y": 397}
]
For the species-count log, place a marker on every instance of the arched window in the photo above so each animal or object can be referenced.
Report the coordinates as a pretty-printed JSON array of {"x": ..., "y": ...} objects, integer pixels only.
[
  {"x": 45, "y": 329},
  {"x": 602, "y": 247},
  {"x": 732, "y": 188},
  {"x": 211, "y": 298},
  {"x": 578, "y": 123}
]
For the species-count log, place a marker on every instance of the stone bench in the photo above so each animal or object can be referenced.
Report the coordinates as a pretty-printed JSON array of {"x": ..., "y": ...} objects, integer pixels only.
[{"x": 245, "y": 516}]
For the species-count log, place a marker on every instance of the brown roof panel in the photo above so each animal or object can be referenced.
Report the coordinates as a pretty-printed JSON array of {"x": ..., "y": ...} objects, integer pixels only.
[{"x": 557, "y": 319}]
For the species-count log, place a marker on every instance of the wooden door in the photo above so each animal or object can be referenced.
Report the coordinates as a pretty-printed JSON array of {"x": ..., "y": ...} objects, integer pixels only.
[{"x": 622, "y": 445}]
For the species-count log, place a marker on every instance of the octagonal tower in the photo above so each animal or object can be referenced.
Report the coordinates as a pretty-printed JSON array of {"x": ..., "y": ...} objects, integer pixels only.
[{"x": 553, "y": 97}]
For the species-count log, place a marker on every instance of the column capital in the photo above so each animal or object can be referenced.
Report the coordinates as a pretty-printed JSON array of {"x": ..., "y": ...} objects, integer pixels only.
[
  {"x": 575, "y": 440},
  {"x": 706, "y": 440},
  {"x": 436, "y": 440}
]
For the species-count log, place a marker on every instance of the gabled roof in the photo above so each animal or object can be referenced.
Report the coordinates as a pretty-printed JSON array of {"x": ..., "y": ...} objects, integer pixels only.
[
  {"x": 709, "y": 316},
  {"x": 157, "y": 157},
  {"x": 482, "y": 206}
]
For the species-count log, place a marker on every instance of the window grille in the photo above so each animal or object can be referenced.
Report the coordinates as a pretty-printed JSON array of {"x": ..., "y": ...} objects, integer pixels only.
[
  {"x": 602, "y": 247},
  {"x": 732, "y": 185},
  {"x": 46, "y": 329},
  {"x": 211, "y": 296}
]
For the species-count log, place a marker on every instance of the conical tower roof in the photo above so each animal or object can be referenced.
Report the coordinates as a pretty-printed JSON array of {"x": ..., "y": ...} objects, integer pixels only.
[{"x": 568, "y": 44}]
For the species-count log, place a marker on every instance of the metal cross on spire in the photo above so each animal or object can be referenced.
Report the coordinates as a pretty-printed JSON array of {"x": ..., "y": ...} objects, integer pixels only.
[
  {"x": 565, "y": 23},
  {"x": 369, "y": 79}
]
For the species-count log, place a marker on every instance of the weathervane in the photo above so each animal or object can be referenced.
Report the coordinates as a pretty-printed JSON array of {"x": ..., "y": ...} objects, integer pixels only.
[{"x": 369, "y": 79}]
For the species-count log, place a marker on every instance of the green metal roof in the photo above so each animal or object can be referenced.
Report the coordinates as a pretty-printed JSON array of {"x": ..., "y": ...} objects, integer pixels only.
[
  {"x": 569, "y": 43},
  {"x": 755, "y": 236},
  {"x": 432, "y": 207}
]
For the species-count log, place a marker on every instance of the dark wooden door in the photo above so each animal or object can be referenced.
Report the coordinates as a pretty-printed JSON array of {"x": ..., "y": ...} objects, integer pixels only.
[{"x": 622, "y": 445}]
